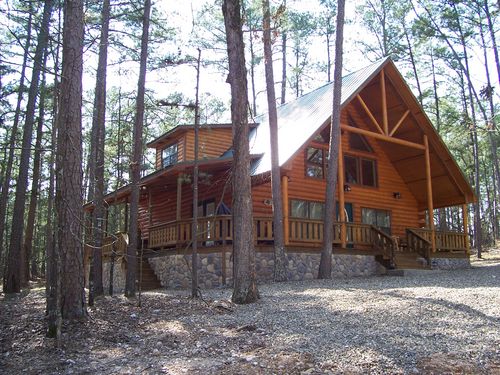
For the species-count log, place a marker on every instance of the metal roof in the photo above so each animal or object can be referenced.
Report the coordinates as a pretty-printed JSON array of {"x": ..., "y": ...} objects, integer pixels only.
[{"x": 301, "y": 118}]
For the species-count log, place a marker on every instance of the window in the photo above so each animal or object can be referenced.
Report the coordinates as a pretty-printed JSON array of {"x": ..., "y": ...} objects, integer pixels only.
[
  {"x": 315, "y": 162},
  {"x": 360, "y": 171},
  {"x": 378, "y": 218},
  {"x": 169, "y": 155},
  {"x": 306, "y": 209},
  {"x": 359, "y": 143}
]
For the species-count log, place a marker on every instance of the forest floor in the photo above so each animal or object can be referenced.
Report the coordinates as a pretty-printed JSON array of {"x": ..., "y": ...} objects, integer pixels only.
[{"x": 427, "y": 322}]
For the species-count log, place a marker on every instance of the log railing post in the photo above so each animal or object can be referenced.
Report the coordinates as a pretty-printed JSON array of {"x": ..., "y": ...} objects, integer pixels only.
[
  {"x": 465, "y": 215},
  {"x": 286, "y": 213},
  {"x": 430, "y": 204},
  {"x": 341, "y": 212}
]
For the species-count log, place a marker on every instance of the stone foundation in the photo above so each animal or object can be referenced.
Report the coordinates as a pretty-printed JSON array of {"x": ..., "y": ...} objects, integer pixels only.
[
  {"x": 174, "y": 271},
  {"x": 450, "y": 263}
]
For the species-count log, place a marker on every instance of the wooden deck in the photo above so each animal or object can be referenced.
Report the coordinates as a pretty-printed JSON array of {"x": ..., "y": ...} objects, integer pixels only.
[
  {"x": 308, "y": 234},
  {"x": 304, "y": 235}
]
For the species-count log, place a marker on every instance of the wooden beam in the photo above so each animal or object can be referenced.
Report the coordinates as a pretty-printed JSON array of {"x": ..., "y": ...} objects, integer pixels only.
[
  {"x": 341, "y": 212},
  {"x": 385, "y": 121},
  {"x": 382, "y": 137},
  {"x": 430, "y": 206},
  {"x": 465, "y": 215},
  {"x": 179, "y": 198},
  {"x": 286, "y": 214},
  {"x": 395, "y": 128},
  {"x": 369, "y": 113}
]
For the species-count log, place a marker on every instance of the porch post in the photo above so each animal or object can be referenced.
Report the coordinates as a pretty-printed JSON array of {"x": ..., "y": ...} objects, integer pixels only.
[
  {"x": 284, "y": 194},
  {"x": 179, "y": 198},
  {"x": 341, "y": 212},
  {"x": 150, "y": 208},
  {"x": 465, "y": 215},
  {"x": 430, "y": 205}
]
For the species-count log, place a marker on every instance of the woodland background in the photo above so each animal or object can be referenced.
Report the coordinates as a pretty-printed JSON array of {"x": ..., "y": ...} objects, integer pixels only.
[{"x": 447, "y": 50}]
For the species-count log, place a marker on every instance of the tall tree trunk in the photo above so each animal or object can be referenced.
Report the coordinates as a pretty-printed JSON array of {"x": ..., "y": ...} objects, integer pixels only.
[
  {"x": 413, "y": 65},
  {"x": 15, "y": 258},
  {"x": 135, "y": 163},
  {"x": 4, "y": 194},
  {"x": 283, "y": 62},
  {"x": 52, "y": 274},
  {"x": 245, "y": 286},
  {"x": 69, "y": 165},
  {"x": 195, "y": 293},
  {"x": 325, "y": 265},
  {"x": 491, "y": 30},
  {"x": 280, "y": 273},
  {"x": 435, "y": 92},
  {"x": 475, "y": 145},
  {"x": 491, "y": 124},
  {"x": 99, "y": 123},
  {"x": 30, "y": 223}
]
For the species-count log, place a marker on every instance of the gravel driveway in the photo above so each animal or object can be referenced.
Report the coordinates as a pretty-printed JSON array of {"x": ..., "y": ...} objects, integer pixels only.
[
  {"x": 427, "y": 322},
  {"x": 424, "y": 322}
]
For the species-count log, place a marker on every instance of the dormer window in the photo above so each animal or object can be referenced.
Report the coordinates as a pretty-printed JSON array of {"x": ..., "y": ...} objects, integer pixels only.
[{"x": 169, "y": 155}]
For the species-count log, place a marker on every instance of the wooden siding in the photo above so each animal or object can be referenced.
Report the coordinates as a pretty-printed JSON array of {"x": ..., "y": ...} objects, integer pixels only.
[
  {"x": 404, "y": 211},
  {"x": 212, "y": 143},
  {"x": 164, "y": 200}
]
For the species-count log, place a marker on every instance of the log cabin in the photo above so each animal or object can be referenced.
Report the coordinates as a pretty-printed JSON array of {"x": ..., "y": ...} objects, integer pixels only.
[{"x": 394, "y": 171}]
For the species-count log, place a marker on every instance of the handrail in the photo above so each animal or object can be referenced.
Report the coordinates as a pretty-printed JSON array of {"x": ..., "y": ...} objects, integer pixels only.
[
  {"x": 445, "y": 240},
  {"x": 419, "y": 244},
  {"x": 114, "y": 244},
  {"x": 383, "y": 243}
]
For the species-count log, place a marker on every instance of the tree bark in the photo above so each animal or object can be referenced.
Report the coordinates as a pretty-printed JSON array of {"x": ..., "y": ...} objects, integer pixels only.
[
  {"x": 4, "y": 194},
  {"x": 135, "y": 163},
  {"x": 325, "y": 265},
  {"x": 69, "y": 165},
  {"x": 15, "y": 272},
  {"x": 99, "y": 123},
  {"x": 283, "y": 62},
  {"x": 195, "y": 293},
  {"x": 280, "y": 272},
  {"x": 245, "y": 286},
  {"x": 30, "y": 223},
  {"x": 52, "y": 285}
]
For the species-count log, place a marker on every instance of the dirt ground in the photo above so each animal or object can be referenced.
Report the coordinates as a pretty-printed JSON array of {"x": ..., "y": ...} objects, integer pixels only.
[{"x": 171, "y": 333}]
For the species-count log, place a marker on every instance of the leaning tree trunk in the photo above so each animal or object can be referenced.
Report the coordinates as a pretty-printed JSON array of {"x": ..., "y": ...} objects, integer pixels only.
[
  {"x": 69, "y": 165},
  {"x": 325, "y": 265},
  {"x": 15, "y": 258},
  {"x": 30, "y": 222},
  {"x": 135, "y": 163},
  {"x": 98, "y": 123},
  {"x": 4, "y": 193},
  {"x": 245, "y": 286},
  {"x": 280, "y": 273}
]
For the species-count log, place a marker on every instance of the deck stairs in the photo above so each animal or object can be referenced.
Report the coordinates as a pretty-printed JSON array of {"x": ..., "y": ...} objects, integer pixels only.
[
  {"x": 410, "y": 260},
  {"x": 148, "y": 278}
]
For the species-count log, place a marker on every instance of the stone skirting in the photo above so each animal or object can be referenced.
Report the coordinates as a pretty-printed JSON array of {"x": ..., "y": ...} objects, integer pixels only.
[
  {"x": 119, "y": 276},
  {"x": 174, "y": 271},
  {"x": 450, "y": 263}
]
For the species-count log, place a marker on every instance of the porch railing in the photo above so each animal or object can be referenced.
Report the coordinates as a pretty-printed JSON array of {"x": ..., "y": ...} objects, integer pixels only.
[
  {"x": 418, "y": 244},
  {"x": 219, "y": 229},
  {"x": 445, "y": 241},
  {"x": 115, "y": 244}
]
